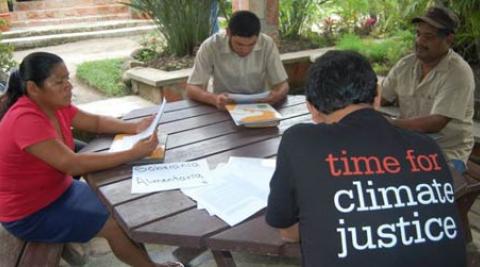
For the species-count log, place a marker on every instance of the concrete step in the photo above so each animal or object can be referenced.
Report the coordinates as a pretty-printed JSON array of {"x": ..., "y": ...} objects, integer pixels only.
[
  {"x": 73, "y": 28},
  {"x": 78, "y": 11},
  {"x": 69, "y": 20},
  {"x": 53, "y": 4},
  {"x": 55, "y": 39}
]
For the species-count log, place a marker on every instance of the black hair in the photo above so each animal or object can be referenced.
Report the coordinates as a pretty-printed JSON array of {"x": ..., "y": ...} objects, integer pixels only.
[
  {"x": 35, "y": 67},
  {"x": 338, "y": 79},
  {"x": 244, "y": 23}
]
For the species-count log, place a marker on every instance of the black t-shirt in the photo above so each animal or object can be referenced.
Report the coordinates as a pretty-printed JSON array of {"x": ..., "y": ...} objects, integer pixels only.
[{"x": 366, "y": 194}]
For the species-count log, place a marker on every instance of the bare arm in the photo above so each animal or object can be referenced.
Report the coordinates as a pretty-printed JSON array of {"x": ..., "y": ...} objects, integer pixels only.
[
  {"x": 290, "y": 234},
  {"x": 423, "y": 124},
  {"x": 278, "y": 93},
  {"x": 60, "y": 157},
  {"x": 102, "y": 124},
  {"x": 200, "y": 94}
]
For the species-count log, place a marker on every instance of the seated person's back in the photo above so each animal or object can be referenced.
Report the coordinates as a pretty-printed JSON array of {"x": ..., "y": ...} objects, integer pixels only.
[{"x": 363, "y": 192}]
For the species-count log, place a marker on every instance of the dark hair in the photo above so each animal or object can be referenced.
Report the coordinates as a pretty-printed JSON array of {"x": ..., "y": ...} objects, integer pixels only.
[
  {"x": 244, "y": 24},
  {"x": 338, "y": 79},
  {"x": 35, "y": 67}
]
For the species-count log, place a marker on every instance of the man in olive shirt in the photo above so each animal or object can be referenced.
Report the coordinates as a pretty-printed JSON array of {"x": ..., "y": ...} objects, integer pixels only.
[
  {"x": 241, "y": 61},
  {"x": 434, "y": 87}
]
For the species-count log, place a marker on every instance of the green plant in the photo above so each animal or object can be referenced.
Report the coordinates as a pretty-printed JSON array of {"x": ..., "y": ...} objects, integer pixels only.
[
  {"x": 152, "y": 45},
  {"x": 6, "y": 57},
  {"x": 225, "y": 9},
  {"x": 468, "y": 35},
  {"x": 382, "y": 53},
  {"x": 295, "y": 14},
  {"x": 184, "y": 24},
  {"x": 104, "y": 75}
]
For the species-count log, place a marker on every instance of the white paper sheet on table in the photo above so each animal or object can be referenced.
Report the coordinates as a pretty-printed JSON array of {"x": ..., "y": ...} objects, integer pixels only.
[
  {"x": 130, "y": 140},
  {"x": 159, "y": 177},
  {"x": 247, "y": 98},
  {"x": 238, "y": 190}
]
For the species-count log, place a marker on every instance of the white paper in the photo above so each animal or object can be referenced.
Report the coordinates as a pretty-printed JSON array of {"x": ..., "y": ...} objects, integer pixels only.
[
  {"x": 238, "y": 190},
  {"x": 129, "y": 141},
  {"x": 159, "y": 177},
  {"x": 247, "y": 98}
]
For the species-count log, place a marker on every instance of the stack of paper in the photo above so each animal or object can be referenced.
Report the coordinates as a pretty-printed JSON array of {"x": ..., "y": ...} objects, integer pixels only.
[
  {"x": 254, "y": 115},
  {"x": 238, "y": 190}
]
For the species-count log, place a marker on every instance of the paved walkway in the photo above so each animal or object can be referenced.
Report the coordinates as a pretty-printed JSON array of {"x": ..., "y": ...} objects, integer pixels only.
[{"x": 75, "y": 53}]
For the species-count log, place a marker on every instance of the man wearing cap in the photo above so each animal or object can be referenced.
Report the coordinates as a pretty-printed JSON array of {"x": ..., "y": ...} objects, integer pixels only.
[
  {"x": 434, "y": 87},
  {"x": 241, "y": 61}
]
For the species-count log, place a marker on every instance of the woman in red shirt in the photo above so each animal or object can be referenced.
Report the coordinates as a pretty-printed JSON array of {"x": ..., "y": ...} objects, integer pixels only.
[{"x": 39, "y": 200}]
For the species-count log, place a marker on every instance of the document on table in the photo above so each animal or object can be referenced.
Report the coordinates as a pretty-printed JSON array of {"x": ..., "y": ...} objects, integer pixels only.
[
  {"x": 128, "y": 141},
  {"x": 238, "y": 189},
  {"x": 247, "y": 98},
  {"x": 159, "y": 177}
]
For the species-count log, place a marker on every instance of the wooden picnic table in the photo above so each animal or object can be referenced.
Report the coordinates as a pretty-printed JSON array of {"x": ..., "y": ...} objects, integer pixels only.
[{"x": 197, "y": 131}]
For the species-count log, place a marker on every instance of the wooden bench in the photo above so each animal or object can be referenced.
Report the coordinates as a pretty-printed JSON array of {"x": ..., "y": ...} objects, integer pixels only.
[{"x": 16, "y": 252}]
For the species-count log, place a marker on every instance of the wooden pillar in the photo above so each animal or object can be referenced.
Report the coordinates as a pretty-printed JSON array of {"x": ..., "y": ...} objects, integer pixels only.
[{"x": 267, "y": 12}]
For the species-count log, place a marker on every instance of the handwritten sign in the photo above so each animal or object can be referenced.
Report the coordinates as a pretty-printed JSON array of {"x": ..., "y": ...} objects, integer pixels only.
[{"x": 159, "y": 177}]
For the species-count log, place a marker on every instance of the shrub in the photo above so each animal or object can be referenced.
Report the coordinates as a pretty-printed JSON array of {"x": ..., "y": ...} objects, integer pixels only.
[
  {"x": 184, "y": 24},
  {"x": 6, "y": 58},
  {"x": 104, "y": 75},
  {"x": 382, "y": 53}
]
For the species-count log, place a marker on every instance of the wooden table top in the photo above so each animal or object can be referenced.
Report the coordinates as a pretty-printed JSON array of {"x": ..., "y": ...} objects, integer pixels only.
[{"x": 197, "y": 131}]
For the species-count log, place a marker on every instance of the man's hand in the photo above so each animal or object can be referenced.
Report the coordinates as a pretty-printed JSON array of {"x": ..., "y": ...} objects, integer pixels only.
[
  {"x": 277, "y": 94},
  {"x": 221, "y": 100},
  {"x": 273, "y": 97},
  {"x": 290, "y": 234}
]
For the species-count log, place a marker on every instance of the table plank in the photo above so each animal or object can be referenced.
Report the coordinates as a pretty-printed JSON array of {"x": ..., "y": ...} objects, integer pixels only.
[
  {"x": 253, "y": 236},
  {"x": 119, "y": 192},
  {"x": 97, "y": 179},
  {"x": 224, "y": 143},
  {"x": 171, "y": 106},
  {"x": 222, "y": 128},
  {"x": 186, "y": 229},
  {"x": 153, "y": 207}
]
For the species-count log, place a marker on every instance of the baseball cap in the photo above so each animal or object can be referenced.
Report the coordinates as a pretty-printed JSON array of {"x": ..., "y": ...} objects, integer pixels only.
[{"x": 440, "y": 18}]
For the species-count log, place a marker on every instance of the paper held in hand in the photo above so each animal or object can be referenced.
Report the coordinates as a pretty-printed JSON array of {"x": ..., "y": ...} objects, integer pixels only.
[
  {"x": 254, "y": 115},
  {"x": 159, "y": 177},
  {"x": 247, "y": 98},
  {"x": 122, "y": 142}
]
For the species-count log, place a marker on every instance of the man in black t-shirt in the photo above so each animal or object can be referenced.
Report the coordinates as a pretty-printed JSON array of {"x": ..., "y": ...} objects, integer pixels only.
[{"x": 355, "y": 190}]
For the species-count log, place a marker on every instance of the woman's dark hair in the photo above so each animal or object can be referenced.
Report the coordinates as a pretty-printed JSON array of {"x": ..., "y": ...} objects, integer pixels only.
[
  {"x": 35, "y": 67},
  {"x": 244, "y": 23},
  {"x": 338, "y": 79}
]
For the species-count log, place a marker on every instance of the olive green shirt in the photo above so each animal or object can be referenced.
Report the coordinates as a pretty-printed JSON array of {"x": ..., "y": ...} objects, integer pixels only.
[
  {"x": 447, "y": 90},
  {"x": 254, "y": 73}
]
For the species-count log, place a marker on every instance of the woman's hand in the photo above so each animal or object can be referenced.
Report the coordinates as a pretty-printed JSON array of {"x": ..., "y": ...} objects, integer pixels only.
[
  {"x": 143, "y": 124},
  {"x": 146, "y": 146}
]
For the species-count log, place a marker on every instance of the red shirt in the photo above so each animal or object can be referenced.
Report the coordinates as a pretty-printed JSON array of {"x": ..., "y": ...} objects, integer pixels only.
[{"x": 28, "y": 184}]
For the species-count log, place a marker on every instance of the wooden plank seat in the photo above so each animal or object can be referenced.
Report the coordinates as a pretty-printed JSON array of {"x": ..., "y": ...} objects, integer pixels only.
[{"x": 16, "y": 252}]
